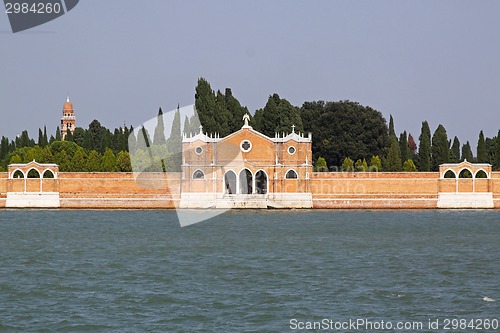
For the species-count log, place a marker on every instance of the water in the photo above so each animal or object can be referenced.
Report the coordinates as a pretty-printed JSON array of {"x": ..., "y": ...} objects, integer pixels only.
[{"x": 243, "y": 271}]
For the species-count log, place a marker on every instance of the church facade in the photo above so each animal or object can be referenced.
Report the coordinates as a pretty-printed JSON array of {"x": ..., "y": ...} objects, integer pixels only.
[{"x": 246, "y": 169}]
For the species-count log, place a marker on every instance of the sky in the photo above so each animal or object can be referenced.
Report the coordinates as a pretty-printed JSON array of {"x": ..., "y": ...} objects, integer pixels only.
[{"x": 120, "y": 60}]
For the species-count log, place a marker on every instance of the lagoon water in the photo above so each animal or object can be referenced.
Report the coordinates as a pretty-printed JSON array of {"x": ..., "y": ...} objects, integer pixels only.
[{"x": 244, "y": 271}]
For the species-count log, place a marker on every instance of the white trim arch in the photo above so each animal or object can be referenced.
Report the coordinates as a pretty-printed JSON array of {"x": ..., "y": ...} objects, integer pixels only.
[
  {"x": 33, "y": 168},
  {"x": 294, "y": 172},
  {"x": 488, "y": 176},
  {"x": 446, "y": 171},
  {"x": 11, "y": 176},
  {"x": 54, "y": 174},
  {"x": 463, "y": 169}
]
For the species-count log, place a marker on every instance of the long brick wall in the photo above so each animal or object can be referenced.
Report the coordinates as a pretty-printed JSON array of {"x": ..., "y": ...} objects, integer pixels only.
[{"x": 329, "y": 190}]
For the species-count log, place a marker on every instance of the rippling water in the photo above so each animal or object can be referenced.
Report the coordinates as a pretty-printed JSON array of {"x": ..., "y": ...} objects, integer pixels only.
[{"x": 243, "y": 271}]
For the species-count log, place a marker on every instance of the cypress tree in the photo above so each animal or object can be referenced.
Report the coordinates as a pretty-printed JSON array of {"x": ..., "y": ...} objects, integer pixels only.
[
  {"x": 455, "y": 151},
  {"x": 4, "y": 147},
  {"x": 69, "y": 137},
  {"x": 375, "y": 164},
  {"x": 393, "y": 161},
  {"x": 174, "y": 143},
  {"x": 440, "y": 148},
  {"x": 236, "y": 111},
  {"x": 159, "y": 135},
  {"x": 482, "y": 153},
  {"x": 424, "y": 149},
  {"x": 187, "y": 127},
  {"x": 40, "y": 138},
  {"x": 497, "y": 152},
  {"x": 58, "y": 134},
  {"x": 132, "y": 141},
  {"x": 206, "y": 107},
  {"x": 45, "y": 140},
  {"x": 403, "y": 146},
  {"x": 321, "y": 165},
  {"x": 467, "y": 152},
  {"x": 391, "y": 127}
]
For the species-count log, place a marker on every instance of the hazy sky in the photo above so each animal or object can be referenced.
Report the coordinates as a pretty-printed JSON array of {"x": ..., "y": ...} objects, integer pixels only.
[{"x": 120, "y": 60}]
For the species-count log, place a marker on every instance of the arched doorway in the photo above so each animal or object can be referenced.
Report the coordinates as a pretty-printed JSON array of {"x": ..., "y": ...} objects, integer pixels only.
[
  {"x": 230, "y": 182},
  {"x": 246, "y": 182},
  {"x": 260, "y": 182}
]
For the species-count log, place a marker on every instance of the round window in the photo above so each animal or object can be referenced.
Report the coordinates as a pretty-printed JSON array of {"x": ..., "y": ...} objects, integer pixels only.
[
  {"x": 291, "y": 150},
  {"x": 198, "y": 150},
  {"x": 245, "y": 146}
]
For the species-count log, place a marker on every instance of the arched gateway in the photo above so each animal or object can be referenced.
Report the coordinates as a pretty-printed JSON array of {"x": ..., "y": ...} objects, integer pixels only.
[
  {"x": 247, "y": 170},
  {"x": 465, "y": 185},
  {"x": 33, "y": 185}
]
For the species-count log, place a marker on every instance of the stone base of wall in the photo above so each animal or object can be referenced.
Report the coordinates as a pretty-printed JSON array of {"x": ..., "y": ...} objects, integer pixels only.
[
  {"x": 374, "y": 203},
  {"x": 465, "y": 200},
  {"x": 237, "y": 201},
  {"x": 118, "y": 203},
  {"x": 32, "y": 200}
]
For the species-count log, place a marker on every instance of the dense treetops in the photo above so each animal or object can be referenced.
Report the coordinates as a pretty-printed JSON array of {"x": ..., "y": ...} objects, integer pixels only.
[{"x": 346, "y": 136}]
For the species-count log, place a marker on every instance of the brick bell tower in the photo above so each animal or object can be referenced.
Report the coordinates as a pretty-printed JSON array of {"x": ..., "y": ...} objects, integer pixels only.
[{"x": 68, "y": 120}]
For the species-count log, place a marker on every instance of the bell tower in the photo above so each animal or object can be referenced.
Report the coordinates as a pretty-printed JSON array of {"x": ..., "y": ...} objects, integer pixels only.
[{"x": 68, "y": 120}]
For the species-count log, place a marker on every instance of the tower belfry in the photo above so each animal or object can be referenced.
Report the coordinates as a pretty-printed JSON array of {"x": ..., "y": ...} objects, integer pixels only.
[{"x": 68, "y": 120}]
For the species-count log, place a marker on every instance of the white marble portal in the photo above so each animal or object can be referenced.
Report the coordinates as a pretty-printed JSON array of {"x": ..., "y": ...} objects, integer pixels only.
[
  {"x": 465, "y": 200},
  {"x": 32, "y": 200},
  {"x": 255, "y": 201}
]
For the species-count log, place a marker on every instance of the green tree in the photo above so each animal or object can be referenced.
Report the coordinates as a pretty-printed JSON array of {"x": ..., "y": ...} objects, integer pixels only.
[
  {"x": 58, "y": 134},
  {"x": 93, "y": 161},
  {"x": 440, "y": 148},
  {"x": 15, "y": 159},
  {"x": 392, "y": 132},
  {"x": 403, "y": 146},
  {"x": 393, "y": 161},
  {"x": 321, "y": 165},
  {"x": 409, "y": 166},
  {"x": 45, "y": 140},
  {"x": 40, "y": 138},
  {"x": 79, "y": 137},
  {"x": 482, "y": 153},
  {"x": 79, "y": 161},
  {"x": 344, "y": 128},
  {"x": 361, "y": 165},
  {"x": 467, "y": 152},
  {"x": 278, "y": 116},
  {"x": 375, "y": 164},
  {"x": 206, "y": 107},
  {"x": 123, "y": 162},
  {"x": 424, "y": 149},
  {"x": 69, "y": 136},
  {"x": 63, "y": 160},
  {"x": 174, "y": 144},
  {"x": 159, "y": 135},
  {"x": 108, "y": 161},
  {"x": 96, "y": 131},
  {"x": 496, "y": 163},
  {"x": 347, "y": 165},
  {"x": 455, "y": 151},
  {"x": 236, "y": 111}
]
